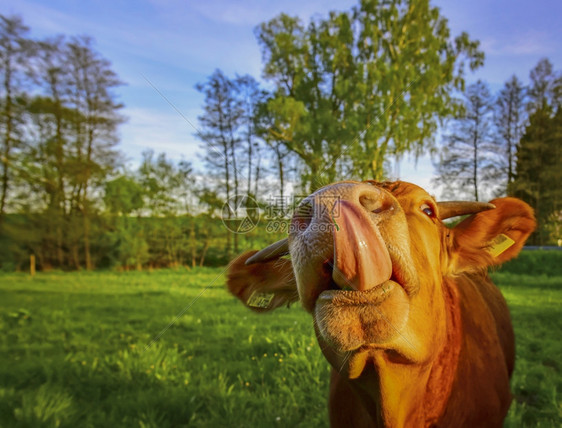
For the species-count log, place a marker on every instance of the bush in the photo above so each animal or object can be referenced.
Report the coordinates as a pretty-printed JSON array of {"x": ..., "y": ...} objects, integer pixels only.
[{"x": 535, "y": 262}]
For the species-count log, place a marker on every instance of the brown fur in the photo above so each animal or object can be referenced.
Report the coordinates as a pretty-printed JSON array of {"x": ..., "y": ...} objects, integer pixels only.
[{"x": 450, "y": 365}]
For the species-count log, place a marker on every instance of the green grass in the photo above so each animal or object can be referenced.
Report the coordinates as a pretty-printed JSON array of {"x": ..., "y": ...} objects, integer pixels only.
[
  {"x": 73, "y": 353},
  {"x": 535, "y": 303}
]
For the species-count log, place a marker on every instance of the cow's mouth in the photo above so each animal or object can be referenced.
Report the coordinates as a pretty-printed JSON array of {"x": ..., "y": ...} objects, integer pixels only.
[
  {"x": 364, "y": 269},
  {"x": 343, "y": 294},
  {"x": 351, "y": 320},
  {"x": 366, "y": 287}
]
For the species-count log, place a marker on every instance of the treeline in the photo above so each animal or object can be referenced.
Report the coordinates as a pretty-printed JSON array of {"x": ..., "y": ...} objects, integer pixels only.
[
  {"x": 346, "y": 95},
  {"x": 59, "y": 118},
  {"x": 509, "y": 144}
]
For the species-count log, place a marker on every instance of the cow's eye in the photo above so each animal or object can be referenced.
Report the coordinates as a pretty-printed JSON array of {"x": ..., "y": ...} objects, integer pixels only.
[{"x": 428, "y": 210}]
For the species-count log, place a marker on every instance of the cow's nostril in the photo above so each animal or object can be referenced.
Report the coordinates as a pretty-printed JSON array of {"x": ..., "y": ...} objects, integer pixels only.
[{"x": 371, "y": 204}]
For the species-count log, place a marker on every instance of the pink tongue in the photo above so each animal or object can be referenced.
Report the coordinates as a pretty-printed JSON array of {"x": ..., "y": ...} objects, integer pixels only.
[{"x": 361, "y": 258}]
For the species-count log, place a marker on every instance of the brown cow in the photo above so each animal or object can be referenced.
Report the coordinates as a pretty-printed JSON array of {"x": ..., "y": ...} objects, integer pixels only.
[{"x": 416, "y": 333}]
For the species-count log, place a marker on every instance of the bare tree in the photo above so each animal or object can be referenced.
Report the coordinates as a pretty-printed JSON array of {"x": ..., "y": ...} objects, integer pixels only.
[
  {"x": 467, "y": 158},
  {"x": 509, "y": 118},
  {"x": 220, "y": 126},
  {"x": 250, "y": 96}
]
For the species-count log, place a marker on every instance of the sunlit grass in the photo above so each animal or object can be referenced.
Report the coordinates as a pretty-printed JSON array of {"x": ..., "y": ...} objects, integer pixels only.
[
  {"x": 73, "y": 352},
  {"x": 536, "y": 310}
]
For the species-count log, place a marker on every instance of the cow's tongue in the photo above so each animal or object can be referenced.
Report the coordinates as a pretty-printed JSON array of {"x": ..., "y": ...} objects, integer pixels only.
[{"x": 361, "y": 260}]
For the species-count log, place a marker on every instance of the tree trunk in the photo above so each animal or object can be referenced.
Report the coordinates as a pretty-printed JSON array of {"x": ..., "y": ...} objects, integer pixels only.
[
  {"x": 204, "y": 251},
  {"x": 475, "y": 167},
  {"x": 85, "y": 202},
  {"x": 7, "y": 137}
]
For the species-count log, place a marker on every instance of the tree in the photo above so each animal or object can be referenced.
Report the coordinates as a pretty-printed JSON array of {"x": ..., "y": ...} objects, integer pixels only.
[
  {"x": 15, "y": 49},
  {"x": 467, "y": 157},
  {"x": 163, "y": 183},
  {"x": 539, "y": 161},
  {"x": 94, "y": 126},
  {"x": 250, "y": 96},
  {"x": 50, "y": 117},
  {"x": 539, "y": 170},
  {"x": 220, "y": 133},
  {"x": 58, "y": 123},
  {"x": 124, "y": 195},
  {"x": 545, "y": 88},
  {"x": 265, "y": 123},
  {"x": 167, "y": 190},
  {"x": 509, "y": 118},
  {"x": 361, "y": 85}
]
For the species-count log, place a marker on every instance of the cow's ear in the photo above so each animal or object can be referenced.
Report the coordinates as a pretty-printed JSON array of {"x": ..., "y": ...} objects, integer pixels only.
[
  {"x": 492, "y": 237},
  {"x": 262, "y": 287}
]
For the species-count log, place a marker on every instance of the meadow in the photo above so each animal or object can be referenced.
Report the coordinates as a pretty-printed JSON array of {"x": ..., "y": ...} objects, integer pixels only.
[{"x": 89, "y": 349}]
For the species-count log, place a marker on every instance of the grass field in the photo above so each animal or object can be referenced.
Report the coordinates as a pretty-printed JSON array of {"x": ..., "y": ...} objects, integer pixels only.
[{"x": 73, "y": 352}]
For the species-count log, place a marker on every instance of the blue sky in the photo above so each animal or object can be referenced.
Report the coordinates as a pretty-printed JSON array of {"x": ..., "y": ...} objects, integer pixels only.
[{"x": 176, "y": 44}]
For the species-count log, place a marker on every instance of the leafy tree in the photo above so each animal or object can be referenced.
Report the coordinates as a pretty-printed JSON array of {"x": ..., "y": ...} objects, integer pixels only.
[
  {"x": 155, "y": 177},
  {"x": 266, "y": 123},
  {"x": 167, "y": 192},
  {"x": 46, "y": 156},
  {"x": 361, "y": 85},
  {"x": 509, "y": 118},
  {"x": 539, "y": 160},
  {"x": 539, "y": 170},
  {"x": 123, "y": 195},
  {"x": 467, "y": 157},
  {"x": 94, "y": 126}
]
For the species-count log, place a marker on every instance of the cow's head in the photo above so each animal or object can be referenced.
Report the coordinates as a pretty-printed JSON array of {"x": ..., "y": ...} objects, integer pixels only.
[{"x": 369, "y": 260}]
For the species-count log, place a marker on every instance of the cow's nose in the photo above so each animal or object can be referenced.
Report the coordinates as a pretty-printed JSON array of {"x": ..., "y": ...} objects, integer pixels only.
[
  {"x": 371, "y": 199},
  {"x": 323, "y": 206},
  {"x": 366, "y": 197}
]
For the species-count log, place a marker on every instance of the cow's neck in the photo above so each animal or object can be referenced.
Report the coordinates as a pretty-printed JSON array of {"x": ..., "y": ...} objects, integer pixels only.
[{"x": 411, "y": 394}]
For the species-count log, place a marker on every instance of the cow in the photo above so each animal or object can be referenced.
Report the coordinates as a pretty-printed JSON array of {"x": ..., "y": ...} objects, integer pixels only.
[{"x": 404, "y": 311}]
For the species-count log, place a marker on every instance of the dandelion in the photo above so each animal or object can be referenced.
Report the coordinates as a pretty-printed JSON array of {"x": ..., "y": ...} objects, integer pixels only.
[
  {"x": 278, "y": 418},
  {"x": 247, "y": 384},
  {"x": 280, "y": 360},
  {"x": 265, "y": 355}
]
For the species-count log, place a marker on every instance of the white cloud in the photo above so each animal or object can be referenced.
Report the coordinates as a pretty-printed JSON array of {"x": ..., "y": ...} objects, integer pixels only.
[
  {"x": 534, "y": 43},
  {"x": 530, "y": 43},
  {"x": 152, "y": 129}
]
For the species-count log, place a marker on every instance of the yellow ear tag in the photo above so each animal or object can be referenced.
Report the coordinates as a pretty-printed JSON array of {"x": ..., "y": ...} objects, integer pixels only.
[
  {"x": 260, "y": 300},
  {"x": 500, "y": 244}
]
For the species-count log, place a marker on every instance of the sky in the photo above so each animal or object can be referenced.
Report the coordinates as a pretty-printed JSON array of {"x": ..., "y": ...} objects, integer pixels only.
[{"x": 163, "y": 48}]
